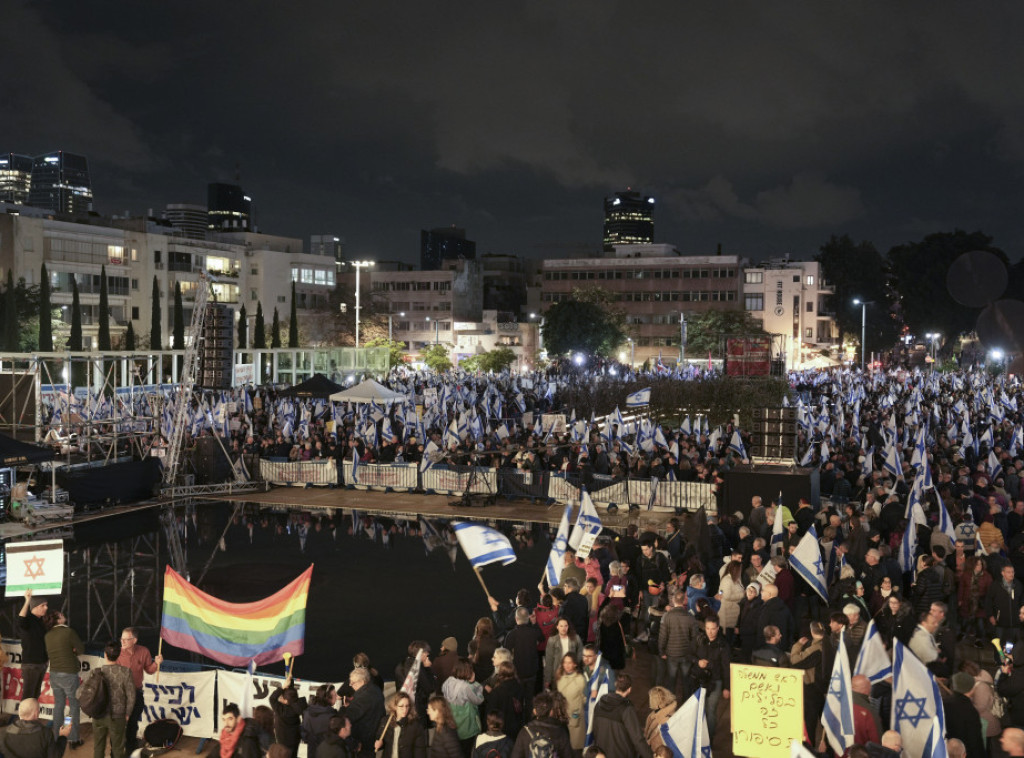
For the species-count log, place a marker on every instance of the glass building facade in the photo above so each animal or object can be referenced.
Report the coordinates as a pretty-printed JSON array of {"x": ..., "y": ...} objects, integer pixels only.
[
  {"x": 60, "y": 182},
  {"x": 628, "y": 219}
]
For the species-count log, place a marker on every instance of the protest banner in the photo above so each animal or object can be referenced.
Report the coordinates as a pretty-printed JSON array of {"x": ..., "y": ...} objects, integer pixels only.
[
  {"x": 11, "y": 681},
  {"x": 187, "y": 698},
  {"x": 767, "y": 710},
  {"x": 36, "y": 566}
]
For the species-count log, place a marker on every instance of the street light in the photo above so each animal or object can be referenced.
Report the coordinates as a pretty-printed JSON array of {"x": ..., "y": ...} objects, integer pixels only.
[
  {"x": 390, "y": 315},
  {"x": 863, "y": 325},
  {"x": 632, "y": 352},
  {"x": 934, "y": 337},
  {"x": 357, "y": 265},
  {"x": 437, "y": 327}
]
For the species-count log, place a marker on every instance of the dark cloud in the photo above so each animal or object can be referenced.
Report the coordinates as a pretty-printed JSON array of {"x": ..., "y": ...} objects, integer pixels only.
[{"x": 763, "y": 126}]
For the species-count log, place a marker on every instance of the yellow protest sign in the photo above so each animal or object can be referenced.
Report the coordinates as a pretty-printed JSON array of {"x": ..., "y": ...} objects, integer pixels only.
[{"x": 767, "y": 710}]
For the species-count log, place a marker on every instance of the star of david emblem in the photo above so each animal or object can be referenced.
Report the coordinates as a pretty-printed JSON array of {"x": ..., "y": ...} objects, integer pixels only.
[
  {"x": 836, "y": 685},
  {"x": 37, "y": 572},
  {"x": 903, "y": 711},
  {"x": 818, "y": 567},
  {"x": 705, "y": 752}
]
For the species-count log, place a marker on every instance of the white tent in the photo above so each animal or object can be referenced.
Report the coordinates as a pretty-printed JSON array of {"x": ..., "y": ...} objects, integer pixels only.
[{"x": 369, "y": 391}]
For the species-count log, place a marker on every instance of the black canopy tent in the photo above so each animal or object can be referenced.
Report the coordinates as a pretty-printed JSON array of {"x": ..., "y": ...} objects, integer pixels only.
[
  {"x": 318, "y": 386},
  {"x": 14, "y": 453}
]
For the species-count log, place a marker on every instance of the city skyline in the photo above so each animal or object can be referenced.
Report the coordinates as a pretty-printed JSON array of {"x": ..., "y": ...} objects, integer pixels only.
[{"x": 765, "y": 129}]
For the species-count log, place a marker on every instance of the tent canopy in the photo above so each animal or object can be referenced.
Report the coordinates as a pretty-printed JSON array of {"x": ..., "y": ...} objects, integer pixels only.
[
  {"x": 15, "y": 453},
  {"x": 369, "y": 391},
  {"x": 317, "y": 385}
]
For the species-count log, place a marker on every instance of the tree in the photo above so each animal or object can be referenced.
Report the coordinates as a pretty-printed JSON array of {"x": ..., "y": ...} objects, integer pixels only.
[
  {"x": 436, "y": 357},
  {"x": 45, "y": 312},
  {"x": 706, "y": 332},
  {"x": 178, "y": 330},
  {"x": 103, "y": 338},
  {"x": 293, "y": 325},
  {"x": 259, "y": 337},
  {"x": 11, "y": 341},
  {"x": 396, "y": 349},
  {"x": 243, "y": 328},
  {"x": 854, "y": 270},
  {"x": 78, "y": 368},
  {"x": 917, "y": 276},
  {"x": 129, "y": 337},
  {"x": 496, "y": 360},
  {"x": 577, "y": 326},
  {"x": 275, "y": 331},
  {"x": 155, "y": 339}
]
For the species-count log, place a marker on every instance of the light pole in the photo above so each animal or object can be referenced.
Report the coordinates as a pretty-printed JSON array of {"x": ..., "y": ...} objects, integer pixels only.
[
  {"x": 863, "y": 325},
  {"x": 934, "y": 338},
  {"x": 632, "y": 352},
  {"x": 357, "y": 265},
  {"x": 390, "y": 315}
]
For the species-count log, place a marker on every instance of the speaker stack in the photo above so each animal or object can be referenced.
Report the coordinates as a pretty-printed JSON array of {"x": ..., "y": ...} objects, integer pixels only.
[
  {"x": 773, "y": 435},
  {"x": 217, "y": 355}
]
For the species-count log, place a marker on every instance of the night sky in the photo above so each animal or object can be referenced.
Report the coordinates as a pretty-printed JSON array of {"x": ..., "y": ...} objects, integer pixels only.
[{"x": 764, "y": 126}]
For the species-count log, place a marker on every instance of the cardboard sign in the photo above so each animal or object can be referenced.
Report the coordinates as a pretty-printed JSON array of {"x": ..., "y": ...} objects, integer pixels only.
[
  {"x": 36, "y": 566},
  {"x": 767, "y": 710}
]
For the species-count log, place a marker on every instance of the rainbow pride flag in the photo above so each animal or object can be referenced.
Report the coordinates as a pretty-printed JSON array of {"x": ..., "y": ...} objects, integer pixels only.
[{"x": 235, "y": 633}]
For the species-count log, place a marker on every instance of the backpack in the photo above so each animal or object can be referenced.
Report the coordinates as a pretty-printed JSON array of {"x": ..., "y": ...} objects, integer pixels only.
[
  {"x": 94, "y": 695},
  {"x": 540, "y": 745}
]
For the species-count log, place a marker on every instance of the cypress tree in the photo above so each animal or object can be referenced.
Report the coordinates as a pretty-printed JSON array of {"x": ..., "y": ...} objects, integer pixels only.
[
  {"x": 129, "y": 337},
  {"x": 11, "y": 341},
  {"x": 155, "y": 340},
  {"x": 259, "y": 337},
  {"x": 293, "y": 326},
  {"x": 243, "y": 328},
  {"x": 45, "y": 313},
  {"x": 179, "y": 319},
  {"x": 275, "y": 331},
  {"x": 78, "y": 368},
  {"x": 104, "y": 331}
]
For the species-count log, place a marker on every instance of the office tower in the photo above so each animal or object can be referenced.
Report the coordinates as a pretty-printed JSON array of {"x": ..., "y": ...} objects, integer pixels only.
[
  {"x": 15, "y": 178},
  {"x": 444, "y": 244},
  {"x": 628, "y": 219},
  {"x": 60, "y": 182},
  {"x": 329, "y": 245},
  {"x": 189, "y": 219},
  {"x": 229, "y": 209}
]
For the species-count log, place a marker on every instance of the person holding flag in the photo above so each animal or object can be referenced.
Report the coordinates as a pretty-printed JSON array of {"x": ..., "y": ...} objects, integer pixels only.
[{"x": 915, "y": 703}]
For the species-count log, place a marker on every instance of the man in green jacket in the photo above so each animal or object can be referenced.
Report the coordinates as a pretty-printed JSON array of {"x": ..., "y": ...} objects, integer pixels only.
[{"x": 63, "y": 647}]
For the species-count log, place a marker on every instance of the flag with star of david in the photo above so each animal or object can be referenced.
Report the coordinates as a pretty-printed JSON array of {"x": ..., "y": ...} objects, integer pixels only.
[
  {"x": 915, "y": 703},
  {"x": 686, "y": 732},
  {"x": 806, "y": 561},
  {"x": 837, "y": 717}
]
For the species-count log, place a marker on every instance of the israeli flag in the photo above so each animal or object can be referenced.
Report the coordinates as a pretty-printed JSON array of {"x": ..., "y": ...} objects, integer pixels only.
[
  {"x": 892, "y": 461},
  {"x": 428, "y": 452},
  {"x": 908, "y": 548},
  {"x": 483, "y": 545},
  {"x": 736, "y": 444},
  {"x": 599, "y": 684},
  {"x": 355, "y": 465},
  {"x": 557, "y": 554},
  {"x": 995, "y": 469},
  {"x": 806, "y": 561},
  {"x": 639, "y": 398},
  {"x": 916, "y": 702},
  {"x": 686, "y": 732},
  {"x": 654, "y": 493},
  {"x": 873, "y": 661},
  {"x": 778, "y": 532},
  {"x": 838, "y": 715},
  {"x": 587, "y": 520}
]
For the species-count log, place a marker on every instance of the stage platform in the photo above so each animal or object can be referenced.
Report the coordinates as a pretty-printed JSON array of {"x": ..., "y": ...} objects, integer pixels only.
[{"x": 408, "y": 505}]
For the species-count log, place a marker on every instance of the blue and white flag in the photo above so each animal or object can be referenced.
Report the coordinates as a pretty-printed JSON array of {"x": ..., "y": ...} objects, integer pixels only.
[
  {"x": 736, "y": 445},
  {"x": 587, "y": 520},
  {"x": 355, "y": 465},
  {"x": 908, "y": 549},
  {"x": 806, "y": 561},
  {"x": 995, "y": 469},
  {"x": 654, "y": 492},
  {"x": 557, "y": 554},
  {"x": 936, "y": 741},
  {"x": 599, "y": 684},
  {"x": 483, "y": 545},
  {"x": 686, "y": 731},
  {"x": 915, "y": 703},
  {"x": 778, "y": 545},
  {"x": 639, "y": 398},
  {"x": 874, "y": 660},
  {"x": 838, "y": 715}
]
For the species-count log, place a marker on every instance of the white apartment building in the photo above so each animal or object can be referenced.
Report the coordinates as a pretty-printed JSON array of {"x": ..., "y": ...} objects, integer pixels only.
[{"x": 788, "y": 297}]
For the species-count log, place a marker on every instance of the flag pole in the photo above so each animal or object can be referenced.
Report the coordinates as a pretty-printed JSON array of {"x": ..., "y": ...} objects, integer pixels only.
[
  {"x": 159, "y": 652},
  {"x": 486, "y": 591}
]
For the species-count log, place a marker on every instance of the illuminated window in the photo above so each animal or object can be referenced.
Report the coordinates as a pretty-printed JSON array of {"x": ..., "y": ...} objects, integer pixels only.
[
  {"x": 810, "y": 280},
  {"x": 115, "y": 254}
]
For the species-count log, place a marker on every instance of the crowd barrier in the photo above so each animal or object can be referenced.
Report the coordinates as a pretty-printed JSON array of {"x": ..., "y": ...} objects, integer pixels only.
[{"x": 455, "y": 480}]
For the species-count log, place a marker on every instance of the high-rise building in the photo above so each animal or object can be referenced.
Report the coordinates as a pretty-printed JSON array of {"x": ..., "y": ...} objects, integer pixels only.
[
  {"x": 15, "y": 178},
  {"x": 628, "y": 219},
  {"x": 229, "y": 209},
  {"x": 60, "y": 182},
  {"x": 445, "y": 244},
  {"x": 189, "y": 219},
  {"x": 330, "y": 245}
]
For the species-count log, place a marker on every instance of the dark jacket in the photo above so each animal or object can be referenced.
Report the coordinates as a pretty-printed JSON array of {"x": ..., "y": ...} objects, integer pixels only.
[
  {"x": 770, "y": 655},
  {"x": 1002, "y": 605},
  {"x": 315, "y": 725},
  {"x": 31, "y": 739},
  {"x": 576, "y": 611},
  {"x": 523, "y": 642},
  {"x": 445, "y": 744},
  {"x": 775, "y": 613},
  {"x": 509, "y": 699},
  {"x": 717, "y": 655},
  {"x": 1012, "y": 688},
  {"x": 249, "y": 743},
  {"x": 287, "y": 720},
  {"x": 750, "y": 614},
  {"x": 332, "y": 746},
  {"x": 365, "y": 712},
  {"x": 617, "y": 729},
  {"x": 120, "y": 689},
  {"x": 927, "y": 590},
  {"x": 33, "y": 639},
  {"x": 425, "y": 687},
  {"x": 501, "y": 747},
  {"x": 678, "y": 633},
  {"x": 544, "y": 728},
  {"x": 412, "y": 738},
  {"x": 963, "y": 722}
]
